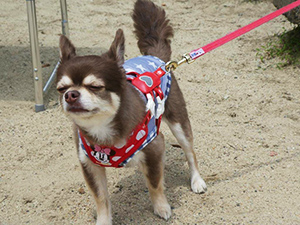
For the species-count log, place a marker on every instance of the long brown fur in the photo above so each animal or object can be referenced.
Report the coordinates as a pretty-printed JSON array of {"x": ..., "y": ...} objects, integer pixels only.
[{"x": 152, "y": 30}]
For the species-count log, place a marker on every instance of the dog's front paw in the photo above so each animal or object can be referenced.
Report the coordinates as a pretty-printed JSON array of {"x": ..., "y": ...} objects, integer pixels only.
[
  {"x": 104, "y": 220},
  {"x": 163, "y": 210},
  {"x": 198, "y": 185},
  {"x": 101, "y": 222},
  {"x": 104, "y": 223}
]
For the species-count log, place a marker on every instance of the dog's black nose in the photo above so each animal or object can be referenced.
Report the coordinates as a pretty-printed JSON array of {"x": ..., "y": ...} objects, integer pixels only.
[{"x": 72, "y": 96}]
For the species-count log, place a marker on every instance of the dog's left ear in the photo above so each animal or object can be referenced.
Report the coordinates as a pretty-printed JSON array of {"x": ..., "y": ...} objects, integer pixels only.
[{"x": 117, "y": 48}]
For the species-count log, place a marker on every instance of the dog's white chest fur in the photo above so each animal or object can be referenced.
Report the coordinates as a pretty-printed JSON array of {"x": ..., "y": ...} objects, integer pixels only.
[{"x": 101, "y": 129}]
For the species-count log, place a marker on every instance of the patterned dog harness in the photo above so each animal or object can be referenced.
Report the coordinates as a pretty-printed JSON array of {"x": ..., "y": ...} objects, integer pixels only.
[{"x": 148, "y": 75}]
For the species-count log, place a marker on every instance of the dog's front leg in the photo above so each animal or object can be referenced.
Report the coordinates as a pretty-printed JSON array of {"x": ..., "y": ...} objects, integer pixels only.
[
  {"x": 153, "y": 169},
  {"x": 95, "y": 177}
]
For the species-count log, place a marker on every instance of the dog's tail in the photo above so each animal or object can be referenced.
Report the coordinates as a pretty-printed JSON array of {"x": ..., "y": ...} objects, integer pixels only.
[{"x": 152, "y": 30}]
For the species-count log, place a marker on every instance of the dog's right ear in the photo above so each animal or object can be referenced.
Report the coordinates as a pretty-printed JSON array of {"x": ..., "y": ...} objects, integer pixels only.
[{"x": 67, "y": 49}]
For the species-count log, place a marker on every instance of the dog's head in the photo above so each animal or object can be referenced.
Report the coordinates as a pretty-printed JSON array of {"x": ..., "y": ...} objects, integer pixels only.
[{"x": 91, "y": 85}]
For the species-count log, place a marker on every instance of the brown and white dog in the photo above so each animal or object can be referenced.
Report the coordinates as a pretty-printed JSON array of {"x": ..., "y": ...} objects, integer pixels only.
[{"x": 106, "y": 108}]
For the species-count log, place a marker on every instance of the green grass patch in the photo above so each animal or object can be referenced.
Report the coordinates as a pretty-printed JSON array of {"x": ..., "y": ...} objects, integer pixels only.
[{"x": 284, "y": 46}]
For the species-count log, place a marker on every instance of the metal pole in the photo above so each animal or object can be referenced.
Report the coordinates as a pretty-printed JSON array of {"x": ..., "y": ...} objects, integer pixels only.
[
  {"x": 65, "y": 31},
  {"x": 64, "y": 18},
  {"x": 51, "y": 79},
  {"x": 35, "y": 54}
]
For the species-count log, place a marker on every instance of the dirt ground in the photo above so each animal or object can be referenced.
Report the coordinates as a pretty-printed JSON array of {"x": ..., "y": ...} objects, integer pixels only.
[{"x": 245, "y": 117}]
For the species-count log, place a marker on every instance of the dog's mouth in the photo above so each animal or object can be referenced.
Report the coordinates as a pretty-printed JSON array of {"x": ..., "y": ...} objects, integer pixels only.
[{"x": 77, "y": 109}]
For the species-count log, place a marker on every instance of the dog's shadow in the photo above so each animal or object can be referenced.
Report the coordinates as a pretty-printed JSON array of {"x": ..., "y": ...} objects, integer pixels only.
[{"x": 130, "y": 197}]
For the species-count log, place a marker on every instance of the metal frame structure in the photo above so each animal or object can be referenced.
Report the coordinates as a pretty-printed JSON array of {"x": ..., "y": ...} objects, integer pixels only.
[{"x": 35, "y": 52}]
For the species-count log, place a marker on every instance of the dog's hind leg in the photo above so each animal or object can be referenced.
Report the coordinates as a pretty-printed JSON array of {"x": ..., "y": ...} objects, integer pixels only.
[
  {"x": 177, "y": 119},
  {"x": 152, "y": 167}
]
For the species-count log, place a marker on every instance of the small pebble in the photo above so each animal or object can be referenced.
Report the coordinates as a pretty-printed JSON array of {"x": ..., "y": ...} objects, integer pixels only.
[{"x": 81, "y": 191}]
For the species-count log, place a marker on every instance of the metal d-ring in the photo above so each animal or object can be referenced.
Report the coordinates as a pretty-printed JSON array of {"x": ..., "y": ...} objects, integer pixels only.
[{"x": 172, "y": 65}]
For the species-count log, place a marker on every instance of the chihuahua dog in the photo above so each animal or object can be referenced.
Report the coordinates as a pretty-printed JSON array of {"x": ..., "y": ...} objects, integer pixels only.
[{"x": 111, "y": 113}]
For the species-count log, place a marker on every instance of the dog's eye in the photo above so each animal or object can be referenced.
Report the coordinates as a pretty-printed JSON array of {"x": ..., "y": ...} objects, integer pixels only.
[
  {"x": 95, "y": 88},
  {"x": 62, "y": 89}
]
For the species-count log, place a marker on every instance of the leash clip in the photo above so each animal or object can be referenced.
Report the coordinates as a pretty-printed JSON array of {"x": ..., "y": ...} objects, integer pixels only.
[{"x": 172, "y": 65}]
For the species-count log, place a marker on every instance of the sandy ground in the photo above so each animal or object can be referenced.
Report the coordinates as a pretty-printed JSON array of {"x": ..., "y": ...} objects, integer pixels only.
[{"x": 245, "y": 117}]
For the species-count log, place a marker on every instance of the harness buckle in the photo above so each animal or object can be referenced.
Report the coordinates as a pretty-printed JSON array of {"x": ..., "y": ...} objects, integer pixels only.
[
  {"x": 150, "y": 104},
  {"x": 160, "y": 107}
]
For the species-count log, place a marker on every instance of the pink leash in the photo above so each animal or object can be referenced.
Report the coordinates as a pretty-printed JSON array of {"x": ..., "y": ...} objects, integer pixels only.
[{"x": 190, "y": 57}]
